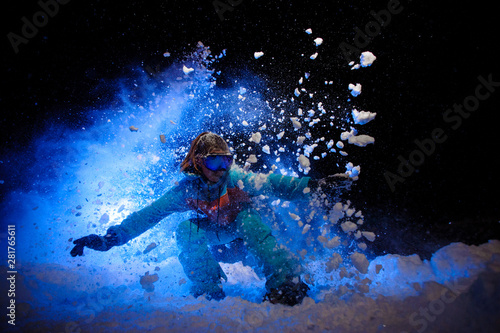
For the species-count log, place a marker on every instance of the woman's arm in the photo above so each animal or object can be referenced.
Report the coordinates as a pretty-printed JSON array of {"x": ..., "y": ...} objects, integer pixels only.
[
  {"x": 136, "y": 223},
  {"x": 146, "y": 218},
  {"x": 286, "y": 187}
]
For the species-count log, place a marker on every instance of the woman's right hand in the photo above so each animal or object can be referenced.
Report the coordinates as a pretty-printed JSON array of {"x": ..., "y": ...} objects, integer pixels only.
[{"x": 94, "y": 242}]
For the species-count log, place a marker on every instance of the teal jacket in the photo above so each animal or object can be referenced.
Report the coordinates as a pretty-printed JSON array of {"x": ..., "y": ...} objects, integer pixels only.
[{"x": 220, "y": 202}]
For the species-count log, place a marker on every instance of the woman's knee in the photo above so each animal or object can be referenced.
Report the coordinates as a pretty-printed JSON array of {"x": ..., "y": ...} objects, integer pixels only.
[
  {"x": 187, "y": 234},
  {"x": 182, "y": 228},
  {"x": 250, "y": 222}
]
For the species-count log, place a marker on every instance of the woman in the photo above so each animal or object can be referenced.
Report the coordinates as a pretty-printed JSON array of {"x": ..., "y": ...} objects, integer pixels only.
[{"x": 221, "y": 197}]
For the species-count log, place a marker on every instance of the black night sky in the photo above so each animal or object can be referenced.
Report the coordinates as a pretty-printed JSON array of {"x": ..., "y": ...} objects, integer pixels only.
[{"x": 429, "y": 58}]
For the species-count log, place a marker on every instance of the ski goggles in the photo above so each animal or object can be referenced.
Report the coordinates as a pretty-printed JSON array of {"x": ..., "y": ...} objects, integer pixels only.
[{"x": 218, "y": 162}]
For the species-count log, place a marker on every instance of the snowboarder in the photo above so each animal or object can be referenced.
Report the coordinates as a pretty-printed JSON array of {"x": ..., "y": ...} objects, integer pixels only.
[{"x": 220, "y": 194}]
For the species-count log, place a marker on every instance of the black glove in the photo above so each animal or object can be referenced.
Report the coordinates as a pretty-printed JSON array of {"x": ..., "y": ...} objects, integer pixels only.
[
  {"x": 94, "y": 242},
  {"x": 332, "y": 183}
]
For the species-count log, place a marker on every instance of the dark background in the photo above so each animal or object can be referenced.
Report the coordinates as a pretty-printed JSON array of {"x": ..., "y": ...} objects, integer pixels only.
[{"x": 429, "y": 57}]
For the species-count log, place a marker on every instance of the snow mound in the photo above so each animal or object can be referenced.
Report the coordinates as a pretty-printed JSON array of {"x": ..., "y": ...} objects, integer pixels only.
[{"x": 458, "y": 288}]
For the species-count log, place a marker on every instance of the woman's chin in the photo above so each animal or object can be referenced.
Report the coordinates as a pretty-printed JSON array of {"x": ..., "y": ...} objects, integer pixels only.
[{"x": 215, "y": 177}]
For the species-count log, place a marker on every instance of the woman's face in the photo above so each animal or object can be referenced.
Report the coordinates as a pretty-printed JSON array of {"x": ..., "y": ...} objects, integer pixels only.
[{"x": 213, "y": 176}]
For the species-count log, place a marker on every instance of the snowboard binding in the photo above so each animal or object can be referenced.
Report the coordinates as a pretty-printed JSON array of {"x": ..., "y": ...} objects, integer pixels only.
[{"x": 290, "y": 293}]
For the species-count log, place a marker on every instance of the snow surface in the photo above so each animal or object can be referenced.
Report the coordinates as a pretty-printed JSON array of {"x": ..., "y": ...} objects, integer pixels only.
[{"x": 457, "y": 290}]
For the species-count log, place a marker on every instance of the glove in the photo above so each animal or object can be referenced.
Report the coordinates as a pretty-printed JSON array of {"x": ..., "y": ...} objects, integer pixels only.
[
  {"x": 331, "y": 183},
  {"x": 330, "y": 189},
  {"x": 94, "y": 242}
]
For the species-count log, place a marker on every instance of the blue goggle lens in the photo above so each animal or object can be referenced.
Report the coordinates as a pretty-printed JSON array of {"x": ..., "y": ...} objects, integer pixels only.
[{"x": 218, "y": 162}]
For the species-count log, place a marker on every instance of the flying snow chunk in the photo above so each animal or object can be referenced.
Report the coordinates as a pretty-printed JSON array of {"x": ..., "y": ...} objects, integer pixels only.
[
  {"x": 346, "y": 135},
  {"x": 308, "y": 149},
  {"x": 187, "y": 70},
  {"x": 257, "y": 55},
  {"x": 362, "y": 117},
  {"x": 309, "y": 31},
  {"x": 368, "y": 235},
  {"x": 333, "y": 243},
  {"x": 318, "y": 41},
  {"x": 352, "y": 171},
  {"x": 256, "y": 137},
  {"x": 348, "y": 226},
  {"x": 280, "y": 135},
  {"x": 296, "y": 92},
  {"x": 304, "y": 163},
  {"x": 361, "y": 140},
  {"x": 252, "y": 159},
  {"x": 360, "y": 262},
  {"x": 266, "y": 149},
  {"x": 367, "y": 58},
  {"x": 355, "y": 89},
  {"x": 296, "y": 123},
  {"x": 333, "y": 263},
  {"x": 314, "y": 56}
]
